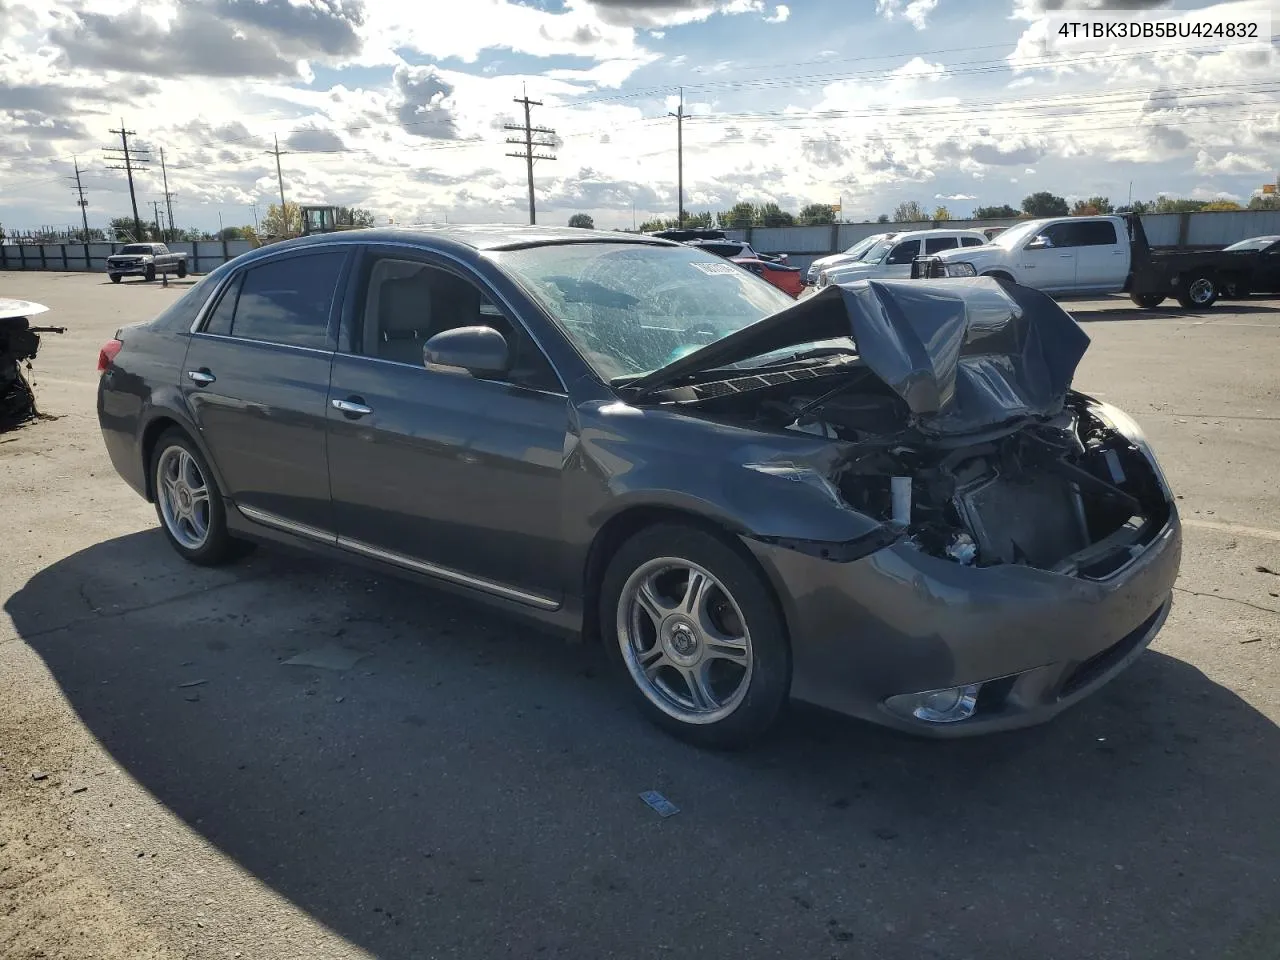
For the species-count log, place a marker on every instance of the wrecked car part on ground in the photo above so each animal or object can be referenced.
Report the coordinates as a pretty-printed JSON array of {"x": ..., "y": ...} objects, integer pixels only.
[{"x": 19, "y": 344}]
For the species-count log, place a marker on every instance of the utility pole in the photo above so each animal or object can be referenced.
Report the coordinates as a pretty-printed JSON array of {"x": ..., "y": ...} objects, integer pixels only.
[
  {"x": 679, "y": 115},
  {"x": 82, "y": 203},
  {"x": 528, "y": 143},
  {"x": 130, "y": 156},
  {"x": 156, "y": 206},
  {"x": 284, "y": 219},
  {"x": 168, "y": 197}
]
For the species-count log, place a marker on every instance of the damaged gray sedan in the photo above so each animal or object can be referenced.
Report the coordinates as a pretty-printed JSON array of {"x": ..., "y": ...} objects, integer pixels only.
[{"x": 885, "y": 499}]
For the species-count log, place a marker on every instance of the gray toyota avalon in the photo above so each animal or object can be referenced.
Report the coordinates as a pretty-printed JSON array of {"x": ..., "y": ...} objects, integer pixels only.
[{"x": 884, "y": 499}]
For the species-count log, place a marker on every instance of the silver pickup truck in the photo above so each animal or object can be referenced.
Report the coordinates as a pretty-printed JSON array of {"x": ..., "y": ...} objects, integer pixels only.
[{"x": 145, "y": 260}]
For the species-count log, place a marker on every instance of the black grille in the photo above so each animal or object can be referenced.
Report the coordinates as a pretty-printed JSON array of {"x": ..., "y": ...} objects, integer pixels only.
[{"x": 1100, "y": 663}]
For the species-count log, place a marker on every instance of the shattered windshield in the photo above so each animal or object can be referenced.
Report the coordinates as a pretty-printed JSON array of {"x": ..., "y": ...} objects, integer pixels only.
[{"x": 632, "y": 308}]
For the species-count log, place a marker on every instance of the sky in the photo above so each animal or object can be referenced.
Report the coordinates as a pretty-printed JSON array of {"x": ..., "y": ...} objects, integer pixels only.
[{"x": 399, "y": 106}]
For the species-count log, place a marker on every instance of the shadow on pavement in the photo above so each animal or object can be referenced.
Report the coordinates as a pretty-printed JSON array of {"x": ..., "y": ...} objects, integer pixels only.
[
  {"x": 470, "y": 788},
  {"x": 1171, "y": 311}
]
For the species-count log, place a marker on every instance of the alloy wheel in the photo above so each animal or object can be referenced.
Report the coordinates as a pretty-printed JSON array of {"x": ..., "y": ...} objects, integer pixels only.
[{"x": 183, "y": 493}]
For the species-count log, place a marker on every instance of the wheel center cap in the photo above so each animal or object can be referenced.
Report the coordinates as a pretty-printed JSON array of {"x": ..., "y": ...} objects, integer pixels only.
[
  {"x": 682, "y": 639},
  {"x": 184, "y": 498}
]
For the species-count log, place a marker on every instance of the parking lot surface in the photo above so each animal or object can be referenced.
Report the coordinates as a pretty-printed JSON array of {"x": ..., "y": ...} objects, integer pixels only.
[{"x": 469, "y": 787}]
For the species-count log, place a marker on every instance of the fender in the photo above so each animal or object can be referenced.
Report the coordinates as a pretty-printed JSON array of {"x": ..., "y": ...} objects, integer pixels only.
[{"x": 168, "y": 403}]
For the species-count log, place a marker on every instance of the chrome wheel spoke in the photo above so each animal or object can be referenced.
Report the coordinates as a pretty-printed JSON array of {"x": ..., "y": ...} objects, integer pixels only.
[
  {"x": 651, "y": 603},
  {"x": 725, "y": 648},
  {"x": 695, "y": 594},
  {"x": 700, "y": 692}
]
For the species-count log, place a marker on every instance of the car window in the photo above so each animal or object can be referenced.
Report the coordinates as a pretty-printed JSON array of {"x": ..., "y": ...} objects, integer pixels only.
[
  {"x": 219, "y": 321},
  {"x": 631, "y": 308},
  {"x": 938, "y": 244},
  {"x": 1061, "y": 235},
  {"x": 1095, "y": 233},
  {"x": 288, "y": 301},
  {"x": 408, "y": 302},
  {"x": 971, "y": 242},
  {"x": 904, "y": 252},
  {"x": 723, "y": 249}
]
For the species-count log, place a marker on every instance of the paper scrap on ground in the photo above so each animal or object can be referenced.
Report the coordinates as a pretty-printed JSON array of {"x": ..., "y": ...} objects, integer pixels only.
[
  {"x": 659, "y": 803},
  {"x": 329, "y": 657}
]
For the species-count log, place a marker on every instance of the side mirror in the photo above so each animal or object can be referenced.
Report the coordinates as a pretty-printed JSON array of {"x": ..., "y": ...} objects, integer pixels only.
[
  {"x": 481, "y": 351},
  {"x": 1040, "y": 243}
]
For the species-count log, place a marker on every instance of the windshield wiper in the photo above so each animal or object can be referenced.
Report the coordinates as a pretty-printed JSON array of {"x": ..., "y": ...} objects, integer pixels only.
[{"x": 814, "y": 354}]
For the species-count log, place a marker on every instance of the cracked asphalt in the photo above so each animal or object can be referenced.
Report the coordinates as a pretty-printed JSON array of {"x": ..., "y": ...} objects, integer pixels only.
[{"x": 169, "y": 787}]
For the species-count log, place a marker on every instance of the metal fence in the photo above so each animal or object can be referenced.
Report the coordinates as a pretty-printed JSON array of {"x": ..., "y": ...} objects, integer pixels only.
[
  {"x": 202, "y": 255},
  {"x": 803, "y": 245}
]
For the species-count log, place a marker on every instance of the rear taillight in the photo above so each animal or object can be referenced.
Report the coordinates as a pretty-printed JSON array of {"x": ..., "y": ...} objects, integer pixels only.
[{"x": 108, "y": 354}]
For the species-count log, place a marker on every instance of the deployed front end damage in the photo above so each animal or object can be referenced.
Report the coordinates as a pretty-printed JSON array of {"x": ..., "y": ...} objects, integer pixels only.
[{"x": 1027, "y": 541}]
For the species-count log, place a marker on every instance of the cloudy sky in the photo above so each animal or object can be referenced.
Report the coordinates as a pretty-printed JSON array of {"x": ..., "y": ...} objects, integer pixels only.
[{"x": 399, "y": 105}]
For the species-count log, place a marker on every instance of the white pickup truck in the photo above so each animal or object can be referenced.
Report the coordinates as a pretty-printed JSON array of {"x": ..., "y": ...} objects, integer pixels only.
[{"x": 1088, "y": 256}]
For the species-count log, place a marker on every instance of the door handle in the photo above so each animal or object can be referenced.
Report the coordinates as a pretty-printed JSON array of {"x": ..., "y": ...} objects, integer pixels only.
[
  {"x": 202, "y": 377},
  {"x": 353, "y": 407},
  {"x": 1066, "y": 256}
]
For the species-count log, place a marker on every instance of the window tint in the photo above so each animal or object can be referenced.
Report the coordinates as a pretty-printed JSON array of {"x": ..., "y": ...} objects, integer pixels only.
[
  {"x": 288, "y": 301},
  {"x": 219, "y": 321},
  {"x": 904, "y": 252},
  {"x": 408, "y": 302},
  {"x": 1061, "y": 235},
  {"x": 723, "y": 249},
  {"x": 970, "y": 242},
  {"x": 938, "y": 244},
  {"x": 1095, "y": 233}
]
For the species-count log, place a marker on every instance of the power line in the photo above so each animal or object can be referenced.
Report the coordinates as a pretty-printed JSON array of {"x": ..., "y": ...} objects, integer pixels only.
[
  {"x": 529, "y": 143},
  {"x": 130, "y": 157}
]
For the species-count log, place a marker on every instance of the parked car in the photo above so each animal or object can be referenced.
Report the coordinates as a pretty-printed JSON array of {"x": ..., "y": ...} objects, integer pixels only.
[
  {"x": 1264, "y": 277},
  {"x": 852, "y": 254},
  {"x": 732, "y": 249},
  {"x": 853, "y": 500},
  {"x": 787, "y": 279},
  {"x": 893, "y": 256},
  {"x": 1089, "y": 256},
  {"x": 145, "y": 260}
]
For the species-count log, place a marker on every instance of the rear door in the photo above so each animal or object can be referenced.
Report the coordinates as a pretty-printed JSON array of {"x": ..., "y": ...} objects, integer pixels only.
[
  {"x": 1102, "y": 261},
  {"x": 256, "y": 381}
]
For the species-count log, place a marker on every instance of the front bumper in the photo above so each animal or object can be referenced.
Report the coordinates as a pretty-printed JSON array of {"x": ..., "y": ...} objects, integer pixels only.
[
  {"x": 128, "y": 269},
  {"x": 901, "y": 621}
]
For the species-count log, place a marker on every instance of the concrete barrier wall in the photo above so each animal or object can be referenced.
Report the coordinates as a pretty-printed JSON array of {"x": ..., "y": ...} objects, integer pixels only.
[{"x": 202, "y": 256}]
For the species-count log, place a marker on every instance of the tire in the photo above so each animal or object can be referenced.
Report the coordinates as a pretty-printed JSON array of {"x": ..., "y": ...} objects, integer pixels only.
[
  {"x": 1001, "y": 276},
  {"x": 115, "y": 277},
  {"x": 1148, "y": 301},
  {"x": 1197, "y": 291},
  {"x": 745, "y": 669},
  {"x": 151, "y": 274},
  {"x": 207, "y": 543},
  {"x": 182, "y": 269},
  {"x": 1236, "y": 290}
]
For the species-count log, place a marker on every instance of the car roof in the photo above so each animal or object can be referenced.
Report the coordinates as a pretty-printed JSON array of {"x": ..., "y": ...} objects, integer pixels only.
[
  {"x": 939, "y": 232},
  {"x": 473, "y": 237}
]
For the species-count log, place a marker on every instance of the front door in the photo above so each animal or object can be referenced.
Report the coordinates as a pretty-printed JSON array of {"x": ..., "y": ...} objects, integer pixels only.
[
  {"x": 1051, "y": 268},
  {"x": 436, "y": 470},
  {"x": 898, "y": 263},
  {"x": 256, "y": 379}
]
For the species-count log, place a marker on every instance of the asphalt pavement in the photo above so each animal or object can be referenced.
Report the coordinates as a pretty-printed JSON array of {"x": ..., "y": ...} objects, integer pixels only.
[{"x": 455, "y": 784}]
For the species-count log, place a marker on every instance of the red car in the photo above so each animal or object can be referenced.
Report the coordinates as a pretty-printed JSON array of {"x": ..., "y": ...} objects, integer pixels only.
[{"x": 789, "y": 280}]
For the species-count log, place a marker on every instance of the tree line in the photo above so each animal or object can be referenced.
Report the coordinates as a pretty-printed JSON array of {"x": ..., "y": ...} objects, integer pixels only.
[{"x": 1040, "y": 204}]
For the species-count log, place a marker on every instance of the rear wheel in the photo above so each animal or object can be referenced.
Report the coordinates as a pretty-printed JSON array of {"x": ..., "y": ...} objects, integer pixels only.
[
  {"x": 189, "y": 504},
  {"x": 1197, "y": 291},
  {"x": 696, "y": 631},
  {"x": 1148, "y": 301},
  {"x": 115, "y": 277},
  {"x": 182, "y": 269},
  {"x": 1236, "y": 290}
]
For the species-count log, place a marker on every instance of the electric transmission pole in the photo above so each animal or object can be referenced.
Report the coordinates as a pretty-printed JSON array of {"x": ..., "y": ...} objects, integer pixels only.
[
  {"x": 528, "y": 143},
  {"x": 159, "y": 229},
  {"x": 82, "y": 203},
  {"x": 679, "y": 115},
  {"x": 284, "y": 220},
  {"x": 131, "y": 157},
  {"x": 168, "y": 197}
]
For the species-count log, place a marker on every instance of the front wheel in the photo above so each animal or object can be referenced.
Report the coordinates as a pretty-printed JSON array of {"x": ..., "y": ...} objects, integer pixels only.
[
  {"x": 182, "y": 269},
  {"x": 190, "y": 508},
  {"x": 1148, "y": 301},
  {"x": 115, "y": 277},
  {"x": 698, "y": 635},
  {"x": 151, "y": 274},
  {"x": 1197, "y": 291}
]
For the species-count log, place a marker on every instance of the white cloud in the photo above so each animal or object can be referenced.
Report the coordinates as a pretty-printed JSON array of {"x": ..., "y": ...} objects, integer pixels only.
[
  {"x": 915, "y": 12},
  {"x": 780, "y": 14},
  {"x": 1230, "y": 163},
  {"x": 954, "y": 196}
]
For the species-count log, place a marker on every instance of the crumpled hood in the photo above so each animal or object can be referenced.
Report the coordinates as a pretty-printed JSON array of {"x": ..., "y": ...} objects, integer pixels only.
[{"x": 965, "y": 354}]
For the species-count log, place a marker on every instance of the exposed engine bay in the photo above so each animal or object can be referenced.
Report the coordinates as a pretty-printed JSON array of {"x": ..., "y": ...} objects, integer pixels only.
[{"x": 1068, "y": 493}]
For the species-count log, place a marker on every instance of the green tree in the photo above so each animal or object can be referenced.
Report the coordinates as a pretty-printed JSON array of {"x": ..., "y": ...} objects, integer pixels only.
[
  {"x": 909, "y": 212},
  {"x": 1045, "y": 204},
  {"x": 290, "y": 224},
  {"x": 1092, "y": 207},
  {"x": 124, "y": 230},
  {"x": 658, "y": 223},
  {"x": 741, "y": 214},
  {"x": 883, "y": 218},
  {"x": 817, "y": 213},
  {"x": 1223, "y": 206},
  {"x": 700, "y": 221},
  {"x": 772, "y": 215},
  {"x": 999, "y": 212},
  {"x": 354, "y": 217},
  {"x": 1265, "y": 201},
  {"x": 582, "y": 221},
  {"x": 941, "y": 213}
]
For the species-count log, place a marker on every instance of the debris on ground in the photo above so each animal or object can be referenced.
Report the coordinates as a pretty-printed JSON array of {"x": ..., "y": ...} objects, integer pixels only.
[
  {"x": 39, "y": 775},
  {"x": 329, "y": 657},
  {"x": 19, "y": 342},
  {"x": 1262, "y": 569},
  {"x": 192, "y": 683},
  {"x": 664, "y": 807}
]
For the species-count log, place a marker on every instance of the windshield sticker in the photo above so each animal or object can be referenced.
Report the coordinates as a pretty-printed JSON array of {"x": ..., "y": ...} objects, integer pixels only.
[{"x": 714, "y": 268}]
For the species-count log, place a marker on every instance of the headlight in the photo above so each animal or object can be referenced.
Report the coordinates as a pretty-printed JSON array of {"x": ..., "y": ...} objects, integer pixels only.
[
  {"x": 1127, "y": 427},
  {"x": 960, "y": 269},
  {"x": 799, "y": 474}
]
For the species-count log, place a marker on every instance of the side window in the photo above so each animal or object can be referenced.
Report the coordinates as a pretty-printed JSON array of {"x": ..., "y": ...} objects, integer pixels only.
[
  {"x": 970, "y": 242},
  {"x": 1065, "y": 234},
  {"x": 408, "y": 302},
  {"x": 938, "y": 244},
  {"x": 1096, "y": 233},
  {"x": 219, "y": 321},
  {"x": 904, "y": 252},
  {"x": 288, "y": 301}
]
